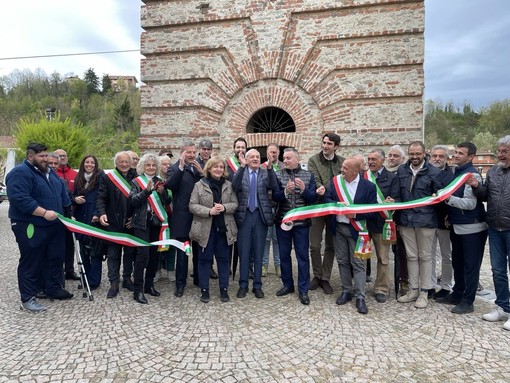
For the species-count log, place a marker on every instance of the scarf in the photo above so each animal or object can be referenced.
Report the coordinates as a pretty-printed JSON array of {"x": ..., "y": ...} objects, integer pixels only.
[{"x": 218, "y": 220}]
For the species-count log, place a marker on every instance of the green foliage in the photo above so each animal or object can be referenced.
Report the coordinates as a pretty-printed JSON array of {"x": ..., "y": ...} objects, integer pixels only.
[
  {"x": 54, "y": 134},
  {"x": 92, "y": 81}
]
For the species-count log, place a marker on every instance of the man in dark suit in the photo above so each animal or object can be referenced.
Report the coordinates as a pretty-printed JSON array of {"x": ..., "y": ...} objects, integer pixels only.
[
  {"x": 387, "y": 190},
  {"x": 253, "y": 216},
  {"x": 181, "y": 180},
  {"x": 350, "y": 188}
]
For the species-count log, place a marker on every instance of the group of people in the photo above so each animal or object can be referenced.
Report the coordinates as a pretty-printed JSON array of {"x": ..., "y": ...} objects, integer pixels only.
[{"x": 232, "y": 210}]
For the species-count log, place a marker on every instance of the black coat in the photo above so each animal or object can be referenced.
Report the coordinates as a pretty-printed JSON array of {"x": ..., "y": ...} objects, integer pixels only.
[
  {"x": 388, "y": 183},
  {"x": 181, "y": 183},
  {"x": 139, "y": 201}
]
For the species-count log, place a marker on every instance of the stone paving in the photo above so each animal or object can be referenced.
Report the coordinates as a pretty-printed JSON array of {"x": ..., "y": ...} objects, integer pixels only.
[{"x": 249, "y": 340}]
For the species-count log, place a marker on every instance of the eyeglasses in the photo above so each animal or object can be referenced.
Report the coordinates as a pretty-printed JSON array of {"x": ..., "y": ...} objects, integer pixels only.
[{"x": 62, "y": 155}]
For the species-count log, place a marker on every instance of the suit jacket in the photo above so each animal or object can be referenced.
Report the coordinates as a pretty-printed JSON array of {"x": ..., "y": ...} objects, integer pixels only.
[
  {"x": 388, "y": 183},
  {"x": 365, "y": 193}
]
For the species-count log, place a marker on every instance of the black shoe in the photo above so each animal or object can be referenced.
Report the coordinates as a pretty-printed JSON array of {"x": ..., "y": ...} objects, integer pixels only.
[
  {"x": 344, "y": 298},
  {"x": 314, "y": 283},
  {"x": 205, "y": 296},
  {"x": 179, "y": 292},
  {"x": 41, "y": 295},
  {"x": 284, "y": 291},
  {"x": 62, "y": 295},
  {"x": 213, "y": 274},
  {"x": 381, "y": 298},
  {"x": 241, "y": 293},
  {"x": 113, "y": 291},
  {"x": 361, "y": 306},
  {"x": 326, "y": 287},
  {"x": 128, "y": 284},
  {"x": 258, "y": 293},
  {"x": 431, "y": 293},
  {"x": 443, "y": 293},
  {"x": 152, "y": 291},
  {"x": 72, "y": 276},
  {"x": 140, "y": 298},
  {"x": 304, "y": 298},
  {"x": 463, "y": 308},
  {"x": 450, "y": 299},
  {"x": 224, "y": 295}
]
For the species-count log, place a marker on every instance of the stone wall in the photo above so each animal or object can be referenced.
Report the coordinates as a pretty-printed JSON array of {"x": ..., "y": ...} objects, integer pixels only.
[{"x": 350, "y": 66}]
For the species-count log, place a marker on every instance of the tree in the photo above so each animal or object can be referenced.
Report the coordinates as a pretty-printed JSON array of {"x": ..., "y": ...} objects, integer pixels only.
[
  {"x": 496, "y": 118},
  {"x": 92, "y": 82},
  {"x": 107, "y": 84},
  {"x": 54, "y": 134},
  {"x": 124, "y": 116}
]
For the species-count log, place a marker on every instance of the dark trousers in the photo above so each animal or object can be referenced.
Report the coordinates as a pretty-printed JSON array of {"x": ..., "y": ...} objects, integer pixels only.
[
  {"x": 92, "y": 260},
  {"x": 181, "y": 266},
  {"x": 467, "y": 255},
  {"x": 69, "y": 252},
  {"x": 251, "y": 240},
  {"x": 195, "y": 248},
  {"x": 128, "y": 260},
  {"x": 299, "y": 235},
  {"x": 146, "y": 259},
  {"x": 216, "y": 247},
  {"x": 41, "y": 259}
]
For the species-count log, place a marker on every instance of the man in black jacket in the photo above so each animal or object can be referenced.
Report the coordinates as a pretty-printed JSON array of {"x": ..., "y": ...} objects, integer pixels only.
[
  {"x": 114, "y": 212},
  {"x": 181, "y": 179},
  {"x": 387, "y": 191}
]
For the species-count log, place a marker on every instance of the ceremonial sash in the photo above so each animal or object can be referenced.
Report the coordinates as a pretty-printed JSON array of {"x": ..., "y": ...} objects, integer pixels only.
[
  {"x": 389, "y": 231},
  {"x": 275, "y": 166},
  {"x": 159, "y": 210},
  {"x": 119, "y": 238},
  {"x": 363, "y": 248},
  {"x": 233, "y": 163},
  {"x": 120, "y": 182}
]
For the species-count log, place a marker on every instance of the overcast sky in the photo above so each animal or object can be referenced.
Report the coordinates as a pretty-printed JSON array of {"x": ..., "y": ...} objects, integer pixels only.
[{"x": 467, "y": 54}]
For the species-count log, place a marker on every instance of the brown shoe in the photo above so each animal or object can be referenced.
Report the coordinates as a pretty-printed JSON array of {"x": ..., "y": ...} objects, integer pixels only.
[
  {"x": 314, "y": 283},
  {"x": 326, "y": 287}
]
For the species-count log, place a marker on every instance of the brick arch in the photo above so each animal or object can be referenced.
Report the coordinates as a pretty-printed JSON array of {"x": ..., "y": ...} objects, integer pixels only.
[{"x": 276, "y": 93}]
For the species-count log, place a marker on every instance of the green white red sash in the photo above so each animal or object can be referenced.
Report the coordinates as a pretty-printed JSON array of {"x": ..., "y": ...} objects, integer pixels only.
[
  {"x": 337, "y": 208},
  {"x": 120, "y": 182},
  {"x": 158, "y": 208},
  {"x": 363, "y": 248},
  {"x": 233, "y": 163},
  {"x": 389, "y": 230},
  {"x": 275, "y": 166},
  {"x": 119, "y": 238}
]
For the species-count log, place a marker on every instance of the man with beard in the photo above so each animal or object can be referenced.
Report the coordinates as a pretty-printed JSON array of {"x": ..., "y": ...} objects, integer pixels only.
[
  {"x": 114, "y": 212},
  {"x": 36, "y": 195},
  {"x": 234, "y": 162}
]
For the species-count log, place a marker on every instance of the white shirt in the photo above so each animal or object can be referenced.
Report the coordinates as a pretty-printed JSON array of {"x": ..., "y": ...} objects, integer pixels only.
[{"x": 351, "y": 189}]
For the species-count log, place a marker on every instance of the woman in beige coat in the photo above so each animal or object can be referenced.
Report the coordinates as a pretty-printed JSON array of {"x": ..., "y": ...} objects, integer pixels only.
[{"x": 213, "y": 203}]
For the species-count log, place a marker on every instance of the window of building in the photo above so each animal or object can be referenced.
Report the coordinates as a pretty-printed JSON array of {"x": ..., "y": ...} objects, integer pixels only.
[{"x": 271, "y": 120}]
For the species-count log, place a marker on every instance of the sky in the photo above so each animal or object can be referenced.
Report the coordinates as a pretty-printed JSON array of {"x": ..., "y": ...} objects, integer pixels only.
[{"x": 467, "y": 54}]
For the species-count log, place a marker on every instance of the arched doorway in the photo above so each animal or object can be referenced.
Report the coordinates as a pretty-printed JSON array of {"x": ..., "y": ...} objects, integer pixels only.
[{"x": 271, "y": 120}]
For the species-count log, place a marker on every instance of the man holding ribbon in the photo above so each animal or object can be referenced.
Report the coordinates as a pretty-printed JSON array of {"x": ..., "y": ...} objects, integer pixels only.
[
  {"x": 149, "y": 199},
  {"x": 114, "y": 210},
  {"x": 382, "y": 229},
  {"x": 351, "y": 240},
  {"x": 418, "y": 179}
]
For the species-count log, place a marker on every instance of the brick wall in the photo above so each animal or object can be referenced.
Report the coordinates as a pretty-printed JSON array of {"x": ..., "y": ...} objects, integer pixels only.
[{"x": 352, "y": 67}]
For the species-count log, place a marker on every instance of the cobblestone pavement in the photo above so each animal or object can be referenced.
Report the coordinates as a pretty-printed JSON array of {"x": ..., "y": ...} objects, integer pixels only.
[{"x": 249, "y": 340}]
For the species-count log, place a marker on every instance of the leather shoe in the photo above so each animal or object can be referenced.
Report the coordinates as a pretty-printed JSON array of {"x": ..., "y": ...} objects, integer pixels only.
[
  {"x": 152, "y": 291},
  {"x": 304, "y": 298},
  {"x": 314, "y": 283},
  {"x": 284, "y": 291},
  {"x": 361, "y": 306},
  {"x": 241, "y": 293},
  {"x": 140, "y": 298},
  {"x": 213, "y": 274},
  {"x": 128, "y": 284},
  {"x": 344, "y": 298},
  {"x": 179, "y": 292},
  {"x": 450, "y": 299},
  {"x": 62, "y": 295},
  {"x": 326, "y": 287},
  {"x": 258, "y": 293},
  {"x": 381, "y": 298},
  {"x": 71, "y": 275}
]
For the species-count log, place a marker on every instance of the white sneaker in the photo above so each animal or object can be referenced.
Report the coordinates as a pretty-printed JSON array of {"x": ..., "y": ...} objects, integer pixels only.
[
  {"x": 33, "y": 306},
  {"x": 496, "y": 315},
  {"x": 410, "y": 296},
  {"x": 422, "y": 300},
  {"x": 506, "y": 326},
  {"x": 171, "y": 275}
]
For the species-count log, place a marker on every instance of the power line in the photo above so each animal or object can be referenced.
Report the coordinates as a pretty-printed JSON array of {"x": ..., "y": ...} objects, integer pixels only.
[{"x": 68, "y": 54}]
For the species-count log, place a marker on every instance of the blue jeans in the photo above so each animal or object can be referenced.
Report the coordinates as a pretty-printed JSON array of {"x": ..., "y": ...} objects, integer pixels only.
[
  {"x": 499, "y": 244},
  {"x": 271, "y": 237},
  {"x": 299, "y": 235},
  {"x": 216, "y": 247}
]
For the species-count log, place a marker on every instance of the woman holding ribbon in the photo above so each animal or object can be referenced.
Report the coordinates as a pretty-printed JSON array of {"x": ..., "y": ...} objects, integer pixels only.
[
  {"x": 149, "y": 200},
  {"x": 213, "y": 203}
]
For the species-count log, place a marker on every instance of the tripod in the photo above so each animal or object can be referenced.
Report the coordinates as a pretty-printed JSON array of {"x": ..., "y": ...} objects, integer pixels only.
[{"x": 83, "y": 275}]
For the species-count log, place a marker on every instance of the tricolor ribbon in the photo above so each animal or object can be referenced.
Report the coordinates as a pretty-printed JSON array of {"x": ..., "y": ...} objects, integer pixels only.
[
  {"x": 119, "y": 238},
  {"x": 389, "y": 230},
  {"x": 120, "y": 182},
  {"x": 233, "y": 163},
  {"x": 338, "y": 208}
]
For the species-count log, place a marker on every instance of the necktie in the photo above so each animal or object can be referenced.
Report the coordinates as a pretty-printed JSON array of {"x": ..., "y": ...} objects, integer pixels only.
[{"x": 253, "y": 192}]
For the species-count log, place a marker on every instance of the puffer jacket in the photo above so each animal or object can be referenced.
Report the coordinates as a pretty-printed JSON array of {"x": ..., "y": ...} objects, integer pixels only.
[
  {"x": 201, "y": 203},
  {"x": 425, "y": 184},
  {"x": 496, "y": 192}
]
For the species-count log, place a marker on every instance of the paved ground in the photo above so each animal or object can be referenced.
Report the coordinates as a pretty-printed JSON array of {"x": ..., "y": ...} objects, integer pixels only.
[{"x": 249, "y": 340}]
